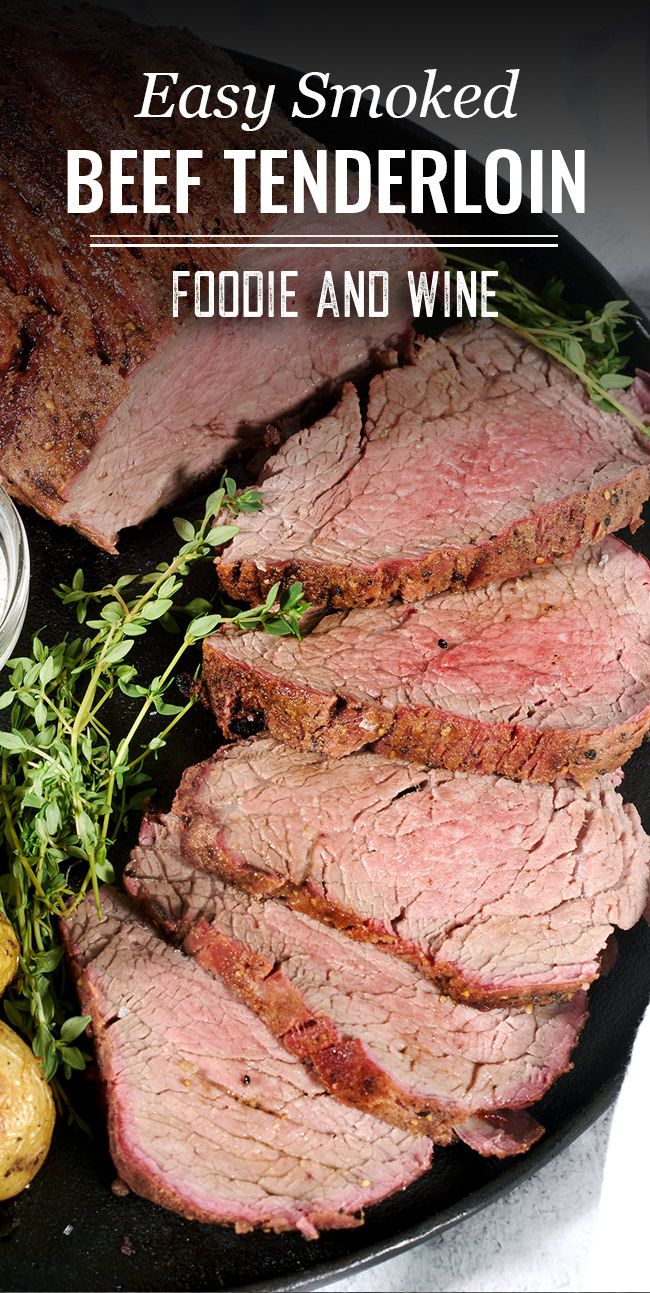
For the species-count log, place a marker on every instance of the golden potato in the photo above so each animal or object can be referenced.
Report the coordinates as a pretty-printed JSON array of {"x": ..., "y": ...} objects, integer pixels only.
[
  {"x": 26, "y": 1114},
  {"x": 8, "y": 954}
]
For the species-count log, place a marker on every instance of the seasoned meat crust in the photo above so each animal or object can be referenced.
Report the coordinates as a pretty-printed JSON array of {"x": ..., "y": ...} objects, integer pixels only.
[
  {"x": 207, "y": 1113},
  {"x": 500, "y": 891},
  {"x": 541, "y": 677},
  {"x": 480, "y": 459},
  {"x": 109, "y": 407},
  {"x": 378, "y": 1035}
]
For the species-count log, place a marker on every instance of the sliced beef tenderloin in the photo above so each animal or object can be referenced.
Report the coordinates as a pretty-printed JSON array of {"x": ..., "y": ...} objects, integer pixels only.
[
  {"x": 541, "y": 677},
  {"x": 500, "y": 891},
  {"x": 378, "y": 1034},
  {"x": 479, "y": 459},
  {"x": 207, "y": 1113},
  {"x": 110, "y": 407}
]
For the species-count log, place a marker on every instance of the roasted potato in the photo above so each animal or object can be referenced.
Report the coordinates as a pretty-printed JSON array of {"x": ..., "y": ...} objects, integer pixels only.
[
  {"x": 26, "y": 1114},
  {"x": 8, "y": 954}
]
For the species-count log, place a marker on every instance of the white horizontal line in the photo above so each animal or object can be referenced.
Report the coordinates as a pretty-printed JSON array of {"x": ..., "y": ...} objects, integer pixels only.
[
  {"x": 326, "y": 234},
  {"x": 266, "y": 246}
]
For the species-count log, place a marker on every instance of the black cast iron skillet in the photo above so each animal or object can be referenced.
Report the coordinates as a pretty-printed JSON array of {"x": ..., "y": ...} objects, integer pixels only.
[{"x": 68, "y": 1231}]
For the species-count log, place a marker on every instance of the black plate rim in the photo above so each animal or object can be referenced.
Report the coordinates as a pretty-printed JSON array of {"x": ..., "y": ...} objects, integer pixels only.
[
  {"x": 520, "y": 1169},
  {"x": 549, "y": 1147}
]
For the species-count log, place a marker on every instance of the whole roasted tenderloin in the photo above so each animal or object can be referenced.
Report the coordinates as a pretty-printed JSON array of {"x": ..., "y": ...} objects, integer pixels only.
[{"x": 110, "y": 407}]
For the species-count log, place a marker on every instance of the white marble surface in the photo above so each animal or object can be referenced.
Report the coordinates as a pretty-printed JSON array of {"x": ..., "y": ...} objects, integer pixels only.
[
  {"x": 535, "y": 1240},
  {"x": 583, "y": 84}
]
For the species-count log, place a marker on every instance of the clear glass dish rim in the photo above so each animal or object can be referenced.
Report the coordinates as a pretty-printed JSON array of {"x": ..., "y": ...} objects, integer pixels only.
[{"x": 18, "y": 569}]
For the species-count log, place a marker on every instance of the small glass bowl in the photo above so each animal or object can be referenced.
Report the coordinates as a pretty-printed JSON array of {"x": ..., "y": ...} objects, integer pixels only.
[{"x": 14, "y": 576}]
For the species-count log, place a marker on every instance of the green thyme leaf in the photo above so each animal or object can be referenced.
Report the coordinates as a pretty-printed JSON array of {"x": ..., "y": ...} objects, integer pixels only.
[
  {"x": 184, "y": 529},
  {"x": 67, "y": 786},
  {"x": 74, "y": 1027},
  {"x": 587, "y": 342}
]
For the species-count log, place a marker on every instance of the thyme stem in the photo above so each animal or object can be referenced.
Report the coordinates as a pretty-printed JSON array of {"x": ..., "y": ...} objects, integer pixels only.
[
  {"x": 585, "y": 342},
  {"x": 68, "y": 782}
]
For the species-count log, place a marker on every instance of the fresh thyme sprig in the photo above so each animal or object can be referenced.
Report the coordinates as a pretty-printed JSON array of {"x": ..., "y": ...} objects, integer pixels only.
[
  {"x": 67, "y": 785},
  {"x": 586, "y": 342}
]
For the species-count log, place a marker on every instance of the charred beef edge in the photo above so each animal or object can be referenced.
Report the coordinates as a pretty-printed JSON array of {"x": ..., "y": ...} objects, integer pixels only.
[{"x": 245, "y": 698}]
